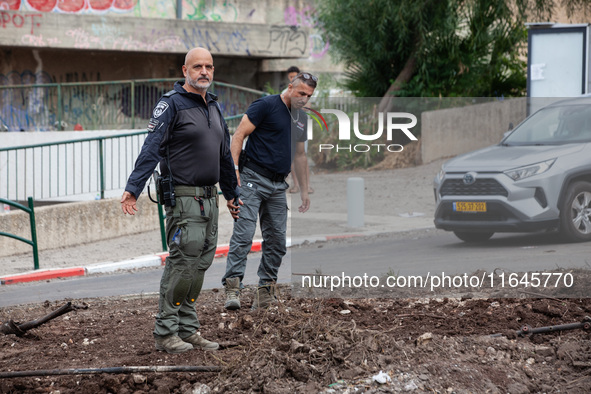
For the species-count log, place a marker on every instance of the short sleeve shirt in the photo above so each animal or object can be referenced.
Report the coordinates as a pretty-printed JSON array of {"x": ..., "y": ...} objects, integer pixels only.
[{"x": 273, "y": 141}]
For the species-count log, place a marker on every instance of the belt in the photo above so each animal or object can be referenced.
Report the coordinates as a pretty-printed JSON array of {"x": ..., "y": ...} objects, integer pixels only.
[
  {"x": 195, "y": 191},
  {"x": 274, "y": 176}
]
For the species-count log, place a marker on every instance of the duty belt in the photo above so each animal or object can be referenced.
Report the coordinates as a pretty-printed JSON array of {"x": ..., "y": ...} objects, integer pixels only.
[
  {"x": 195, "y": 191},
  {"x": 274, "y": 176}
]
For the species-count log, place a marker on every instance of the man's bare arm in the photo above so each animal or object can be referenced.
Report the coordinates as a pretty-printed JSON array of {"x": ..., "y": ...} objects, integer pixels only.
[{"x": 300, "y": 161}]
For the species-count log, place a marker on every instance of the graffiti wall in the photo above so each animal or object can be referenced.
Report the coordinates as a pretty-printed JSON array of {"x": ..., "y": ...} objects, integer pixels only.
[
  {"x": 252, "y": 11},
  {"x": 44, "y": 41},
  {"x": 204, "y": 10},
  {"x": 49, "y": 30},
  {"x": 32, "y": 15},
  {"x": 70, "y": 6},
  {"x": 305, "y": 16}
]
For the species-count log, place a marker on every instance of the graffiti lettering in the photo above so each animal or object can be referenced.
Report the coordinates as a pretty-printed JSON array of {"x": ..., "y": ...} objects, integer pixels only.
[
  {"x": 161, "y": 44},
  {"x": 75, "y": 6},
  {"x": 202, "y": 11},
  {"x": 41, "y": 5},
  {"x": 39, "y": 41},
  {"x": 318, "y": 47},
  {"x": 306, "y": 18},
  {"x": 10, "y": 4},
  {"x": 293, "y": 17},
  {"x": 291, "y": 40},
  {"x": 82, "y": 39},
  {"x": 232, "y": 41},
  {"x": 24, "y": 109},
  {"x": 19, "y": 21}
]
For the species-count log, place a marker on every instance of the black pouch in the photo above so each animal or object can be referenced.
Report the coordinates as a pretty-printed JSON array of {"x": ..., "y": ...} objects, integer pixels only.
[
  {"x": 165, "y": 190},
  {"x": 241, "y": 160},
  {"x": 168, "y": 196}
]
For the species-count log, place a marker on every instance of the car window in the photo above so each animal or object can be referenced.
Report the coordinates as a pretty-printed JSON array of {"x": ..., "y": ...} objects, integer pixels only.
[{"x": 554, "y": 125}]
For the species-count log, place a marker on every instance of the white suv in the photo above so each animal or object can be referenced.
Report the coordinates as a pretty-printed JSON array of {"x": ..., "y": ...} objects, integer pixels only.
[{"x": 537, "y": 179}]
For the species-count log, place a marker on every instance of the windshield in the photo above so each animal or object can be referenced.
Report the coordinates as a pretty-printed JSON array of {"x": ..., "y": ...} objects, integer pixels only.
[{"x": 554, "y": 126}]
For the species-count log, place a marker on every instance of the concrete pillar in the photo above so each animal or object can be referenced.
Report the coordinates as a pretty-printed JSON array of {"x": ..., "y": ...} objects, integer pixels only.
[{"x": 355, "y": 202}]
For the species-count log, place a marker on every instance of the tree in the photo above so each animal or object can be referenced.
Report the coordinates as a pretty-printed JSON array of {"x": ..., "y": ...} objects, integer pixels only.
[{"x": 433, "y": 47}]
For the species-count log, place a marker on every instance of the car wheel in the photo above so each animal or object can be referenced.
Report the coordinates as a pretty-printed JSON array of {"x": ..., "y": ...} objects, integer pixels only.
[
  {"x": 473, "y": 236},
  {"x": 575, "y": 212}
]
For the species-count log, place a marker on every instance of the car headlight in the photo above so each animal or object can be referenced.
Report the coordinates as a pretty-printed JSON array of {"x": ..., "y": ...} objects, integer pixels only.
[
  {"x": 440, "y": 175},
  {"x": 526, "y": 171}
]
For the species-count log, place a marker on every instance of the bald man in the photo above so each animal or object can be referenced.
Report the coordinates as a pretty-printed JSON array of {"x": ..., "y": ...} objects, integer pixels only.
[{"x": 190, "y": 140}]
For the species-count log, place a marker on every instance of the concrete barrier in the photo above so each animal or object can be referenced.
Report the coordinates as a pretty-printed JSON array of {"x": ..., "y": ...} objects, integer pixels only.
[
  {"x": 75, "y": 223},
  {"x": 450, "y": 132}
]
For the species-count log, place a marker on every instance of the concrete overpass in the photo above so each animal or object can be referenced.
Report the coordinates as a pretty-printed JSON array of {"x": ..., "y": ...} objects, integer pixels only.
[
  {"x": 253, "y": 41},
  {"x": 92, "y": 32}
]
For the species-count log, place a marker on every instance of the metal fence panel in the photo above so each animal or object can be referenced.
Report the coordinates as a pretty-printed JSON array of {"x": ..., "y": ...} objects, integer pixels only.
[
  {"x": 93, "y": 167},
  {"x": 85, "y": 168},
  {"x": 113, "y": 105}
]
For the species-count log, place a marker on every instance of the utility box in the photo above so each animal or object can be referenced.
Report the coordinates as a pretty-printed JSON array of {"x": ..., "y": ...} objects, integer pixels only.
[{"x": 557, "y": 62}]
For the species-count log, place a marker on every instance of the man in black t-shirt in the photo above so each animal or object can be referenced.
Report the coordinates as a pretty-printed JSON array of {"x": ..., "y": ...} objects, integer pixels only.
[{"x": 276, "y": 130}]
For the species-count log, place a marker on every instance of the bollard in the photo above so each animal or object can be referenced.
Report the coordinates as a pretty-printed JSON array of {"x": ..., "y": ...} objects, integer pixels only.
[{"x": 355, "y": 202}]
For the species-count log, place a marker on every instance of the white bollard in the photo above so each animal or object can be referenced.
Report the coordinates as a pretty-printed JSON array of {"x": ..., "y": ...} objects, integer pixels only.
[{"x": 355, "y": 202}]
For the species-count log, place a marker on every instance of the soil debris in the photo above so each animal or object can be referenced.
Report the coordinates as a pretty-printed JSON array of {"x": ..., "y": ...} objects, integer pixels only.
[{"x": 306, "y": 345}]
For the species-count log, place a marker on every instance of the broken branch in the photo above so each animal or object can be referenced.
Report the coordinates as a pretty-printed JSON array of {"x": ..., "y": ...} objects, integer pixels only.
[{"x": 18, "y": 329}]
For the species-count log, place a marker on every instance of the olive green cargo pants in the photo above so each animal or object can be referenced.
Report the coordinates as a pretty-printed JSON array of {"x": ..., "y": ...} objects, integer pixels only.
[{"x": 192, "y": 233}]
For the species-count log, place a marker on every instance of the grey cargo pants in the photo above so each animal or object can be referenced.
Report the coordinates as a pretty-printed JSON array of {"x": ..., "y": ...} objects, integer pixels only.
[
  {"x": 192, "y": 240},
  {"x": 266, "y": 200}
]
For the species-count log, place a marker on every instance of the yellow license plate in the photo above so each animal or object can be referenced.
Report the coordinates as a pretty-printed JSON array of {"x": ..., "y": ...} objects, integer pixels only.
[{"x": 467, "y": 206}]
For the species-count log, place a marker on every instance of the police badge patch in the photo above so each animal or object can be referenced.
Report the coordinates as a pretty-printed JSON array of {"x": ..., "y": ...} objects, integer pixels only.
[
  {"x": 152, "y": 125},
  {"x": 160, "y": 109}
]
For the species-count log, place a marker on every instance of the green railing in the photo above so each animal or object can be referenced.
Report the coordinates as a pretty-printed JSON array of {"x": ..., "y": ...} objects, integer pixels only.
[
  {"x": 93, "y": 166},
  {"x": 112, "y": 105},
  {"x": 33, "y": 241},
  {"x": 81, "y": 169},
  {"x": 59, "y": 170}
]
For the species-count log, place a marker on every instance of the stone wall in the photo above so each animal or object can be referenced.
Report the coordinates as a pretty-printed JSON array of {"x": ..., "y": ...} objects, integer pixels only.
[{"x": 450, "y": 132}]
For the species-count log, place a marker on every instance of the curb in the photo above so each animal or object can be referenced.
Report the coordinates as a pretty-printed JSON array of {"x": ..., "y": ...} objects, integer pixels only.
[
  {"x": 156, "y": 260},
  {"x": 106, "y": 267},
  {"x": 51, "y": 273}
]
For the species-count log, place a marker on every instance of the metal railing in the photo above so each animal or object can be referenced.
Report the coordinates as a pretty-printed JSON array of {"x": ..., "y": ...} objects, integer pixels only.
[
  {"x": 89, "y": 166},
  {"x": 112, "y": 105},
  {"x": 33, "y": 241}
]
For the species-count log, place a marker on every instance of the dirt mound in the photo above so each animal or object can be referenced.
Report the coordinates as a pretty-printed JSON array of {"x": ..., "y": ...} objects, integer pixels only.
[{"x": 310, "y": 345}]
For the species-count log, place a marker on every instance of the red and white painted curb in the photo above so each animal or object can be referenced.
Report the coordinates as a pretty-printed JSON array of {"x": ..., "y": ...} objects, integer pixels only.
[
  {"x": 140, "y": 262},
  {"x": 50, "y": 273},
  {"x": 106, "y": 267}
]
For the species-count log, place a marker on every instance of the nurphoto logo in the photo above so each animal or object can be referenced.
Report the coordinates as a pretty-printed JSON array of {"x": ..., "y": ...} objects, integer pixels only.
[{"x": 395, "y": 122}]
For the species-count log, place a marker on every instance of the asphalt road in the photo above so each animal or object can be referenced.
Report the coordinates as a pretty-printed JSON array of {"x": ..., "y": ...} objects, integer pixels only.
[{"x": 423, "y": 252}]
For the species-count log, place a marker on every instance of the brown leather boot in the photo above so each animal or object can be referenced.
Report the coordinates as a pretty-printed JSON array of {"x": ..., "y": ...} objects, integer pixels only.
[{"x": 264, "y": 297}]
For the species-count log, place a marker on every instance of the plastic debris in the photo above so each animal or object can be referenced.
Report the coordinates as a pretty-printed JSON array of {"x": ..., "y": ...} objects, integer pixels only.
[{"x": 381, "y": 378}]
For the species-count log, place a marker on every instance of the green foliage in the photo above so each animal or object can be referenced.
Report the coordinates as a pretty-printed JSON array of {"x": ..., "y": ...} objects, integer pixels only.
[
  {"x": 461, "y": 47},
  {"x": 268, "y": 88},
  {"x": 428, "y": 48}
]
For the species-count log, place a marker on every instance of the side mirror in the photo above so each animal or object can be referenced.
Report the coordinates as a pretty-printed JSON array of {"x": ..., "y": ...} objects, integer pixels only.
[{"x": 510, "y": 126}]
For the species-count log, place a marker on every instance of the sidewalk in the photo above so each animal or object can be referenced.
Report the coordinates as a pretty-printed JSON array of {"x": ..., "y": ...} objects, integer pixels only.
[{"x": 394, "y": 201}]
